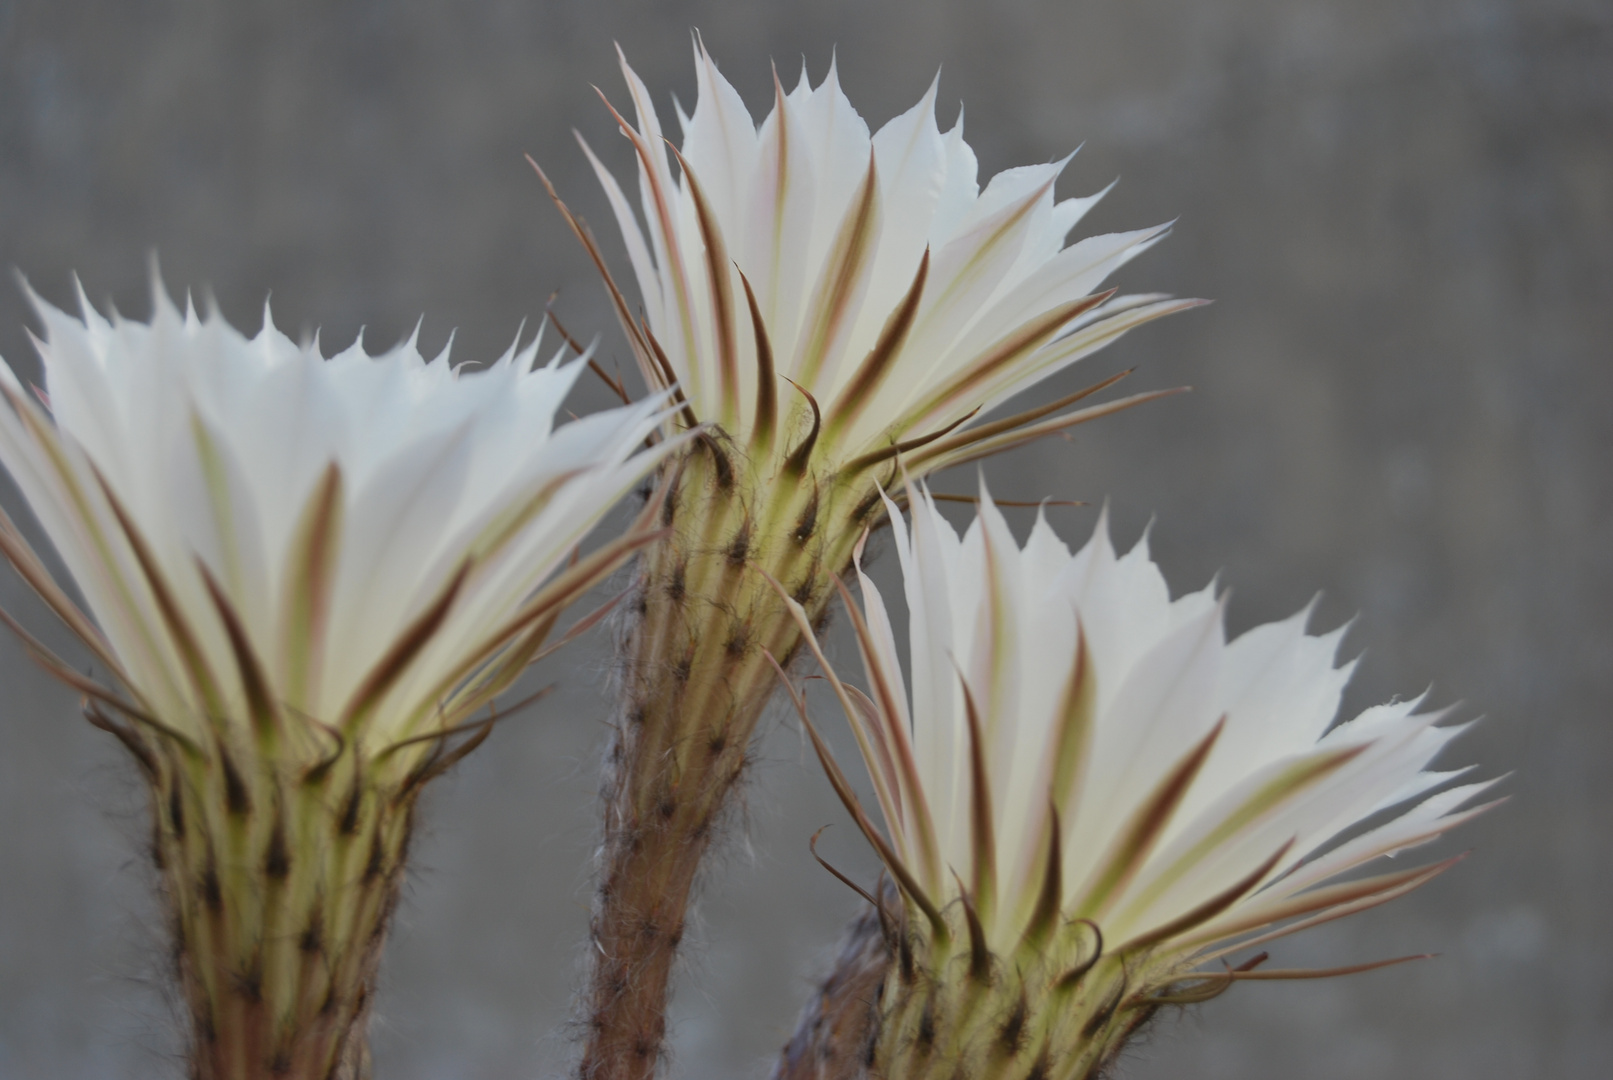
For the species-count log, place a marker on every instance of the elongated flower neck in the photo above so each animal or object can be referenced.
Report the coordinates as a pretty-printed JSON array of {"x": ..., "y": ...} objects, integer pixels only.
[{"x": 1087, "y": 791}]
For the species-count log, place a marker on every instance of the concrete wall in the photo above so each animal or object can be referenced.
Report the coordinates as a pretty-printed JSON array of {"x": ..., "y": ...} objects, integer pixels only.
[{"x": 1405, "y": 400}]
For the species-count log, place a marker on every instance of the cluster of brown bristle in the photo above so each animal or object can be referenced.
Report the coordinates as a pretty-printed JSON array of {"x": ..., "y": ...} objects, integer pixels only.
[
  {"x": 901, "y": 1003},
  {"x": 887, "y": 1008}
]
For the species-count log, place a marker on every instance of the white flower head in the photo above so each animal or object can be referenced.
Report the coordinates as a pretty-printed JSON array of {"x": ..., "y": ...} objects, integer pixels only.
[
  {"x": 868, "y": 269},
  {"x": 1073, "y": 744},
  {"x": 263, "y": 534}
]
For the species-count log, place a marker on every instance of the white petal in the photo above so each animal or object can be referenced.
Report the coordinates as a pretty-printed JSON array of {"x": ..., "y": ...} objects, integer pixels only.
[{"x": 720, "y": 144}]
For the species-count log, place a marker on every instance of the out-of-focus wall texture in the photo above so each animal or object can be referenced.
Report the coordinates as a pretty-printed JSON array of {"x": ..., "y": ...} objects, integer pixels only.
[{"x": 1404, "y": 209}]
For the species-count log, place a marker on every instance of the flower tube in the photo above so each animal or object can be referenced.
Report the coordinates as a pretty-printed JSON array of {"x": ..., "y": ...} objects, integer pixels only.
[
  {"x": 1088, "y": 793},
  {"x": 820, "y": 300},
  {"x": 308, "y": 580}
]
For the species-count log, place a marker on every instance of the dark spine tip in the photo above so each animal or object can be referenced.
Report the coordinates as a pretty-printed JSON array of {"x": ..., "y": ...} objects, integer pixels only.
[
  {"x": 1105, "y": 1012},
  {"x": 1044, "y": 918},
  {"x": 721, "y": 466},
  {"x": 377, "y": 859},
  {"x": 144, "y": 758},
  {"x": 1072, "y": 978},
  {"x": 766, "y": 390},
  {"x": 347, "y": 824},
  {"x": 317, "y": 773},
  {"x": 866, "y": 507},
  {"x": 669, "y": 508},
  {"x": 277, "y": 859},
  {"x": 979, "y": 952},
  {"x": 312, "y": 939},
  {"x": 212, "y": 892},
  {"x": 739, "y": 547},
  {"x": 807, "y": 524},
  {"x": 1011, "y": 1036},
  {"x": 804, "y": 590},
  {"x": 926, "y": 1032},
  {"x": 176, "y": 811},
  {"x": 206, "y": 1031},
  {"x": 796, "y": 463},
  {"x": 236, "y": 799}
]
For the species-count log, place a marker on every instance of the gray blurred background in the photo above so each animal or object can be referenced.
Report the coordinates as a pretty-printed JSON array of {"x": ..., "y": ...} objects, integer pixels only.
[{"x": 1404, "y": 399}]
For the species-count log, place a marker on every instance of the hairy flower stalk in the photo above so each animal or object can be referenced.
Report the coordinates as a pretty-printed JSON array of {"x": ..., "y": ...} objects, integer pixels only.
[
  {"x": 821, "y": 302},
  {"x": 308, "y": 581},
  {"x": 1089, "y": 794}
]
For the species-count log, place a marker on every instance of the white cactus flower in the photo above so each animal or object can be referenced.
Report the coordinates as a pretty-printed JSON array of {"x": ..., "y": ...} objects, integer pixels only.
[
  {"x": 352, "y": 539},
  {"x": 1111, "y": 791},
  {"x": 870, "y": 270},
  {"x": 305, "y": 577}
]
